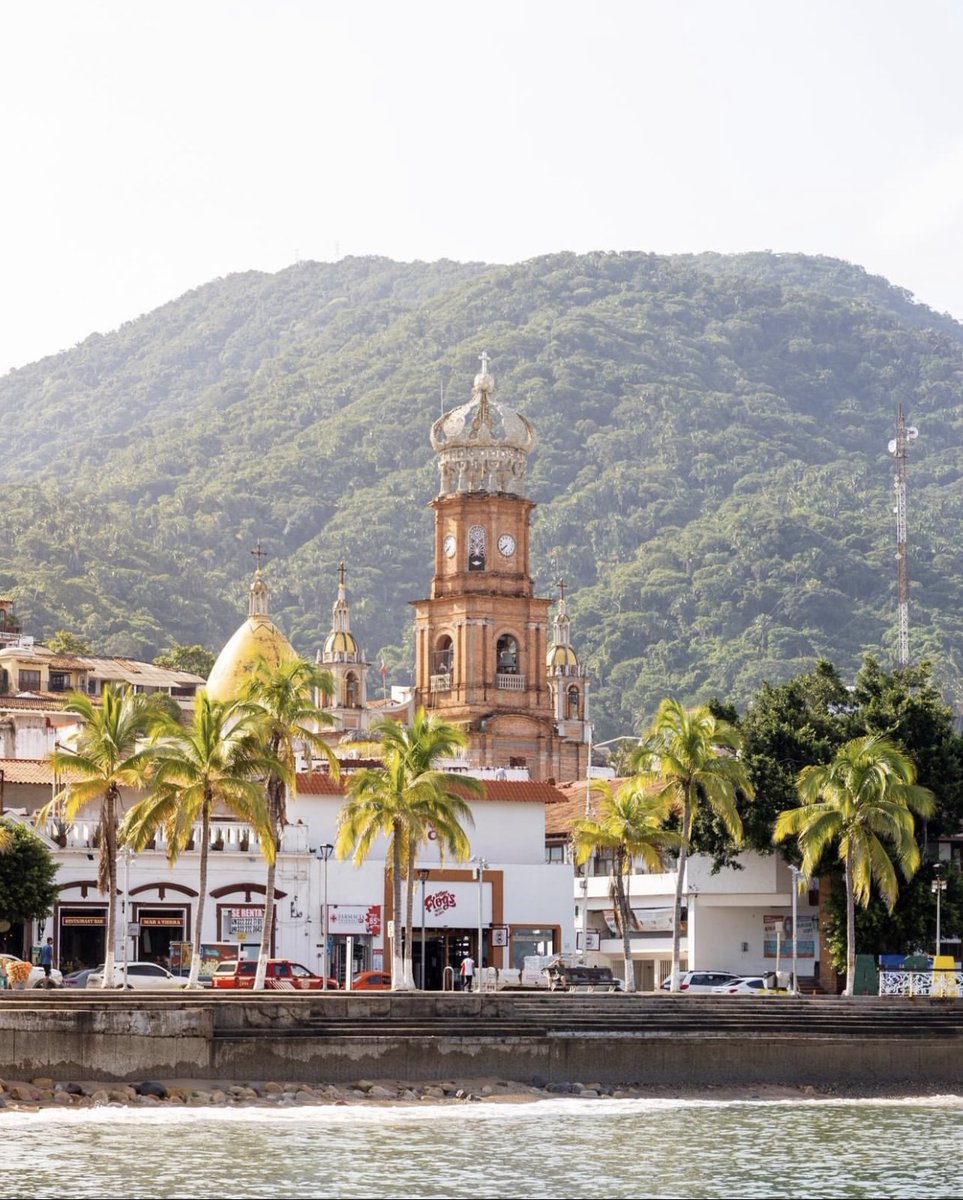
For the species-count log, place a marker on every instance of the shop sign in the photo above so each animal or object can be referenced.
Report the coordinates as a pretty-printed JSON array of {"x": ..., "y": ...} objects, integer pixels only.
[
  {"x": 245, "y": 920},
  {"x": 75, "y": 919},
  {"x": 454, "y": 905},
  {"x": 354, "y": 919}
]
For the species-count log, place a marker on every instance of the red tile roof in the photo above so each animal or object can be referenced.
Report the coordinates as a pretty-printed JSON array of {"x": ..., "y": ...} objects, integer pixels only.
[
  {"x": 26, "y": 770},
  {"x": 526, "y": 791},
  {"x": 559, "y": 822},
  {"x": 42, "y": 700}
]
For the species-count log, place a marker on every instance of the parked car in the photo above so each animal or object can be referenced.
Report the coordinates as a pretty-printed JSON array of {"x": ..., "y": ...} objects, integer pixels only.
[
  {"x": 700, "y": 982},
  {"x": 752, "y": 985},
  {"x": 140, "y": 976},
  {"x": 371, "y": 981},
  {"x": 37, "y": 977},
  {"x": 281, "y": 975},
  {"x": 78, "y": 979}
]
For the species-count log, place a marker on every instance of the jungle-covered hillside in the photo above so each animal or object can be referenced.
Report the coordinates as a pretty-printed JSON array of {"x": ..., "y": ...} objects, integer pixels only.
[{"x": 712, "y": 470}]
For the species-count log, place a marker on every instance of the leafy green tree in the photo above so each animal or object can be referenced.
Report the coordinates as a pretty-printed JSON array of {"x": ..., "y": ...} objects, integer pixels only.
[
  {"x": 218, "y": 761},
  {"x": 64, "y": 642},
  {"x": 804, "y": 722},
  {"x": 282, "y": 702},
  {"x": 631, "y": 825},
  {"x": 864, "y": 798},
  {"x": 27, "y": 869},
  {"x": 400, "y": 800},
  {"x": 688, "y": 759},
  {"x": 194, "y": 658},
  {"x": 106, "y": 756}
]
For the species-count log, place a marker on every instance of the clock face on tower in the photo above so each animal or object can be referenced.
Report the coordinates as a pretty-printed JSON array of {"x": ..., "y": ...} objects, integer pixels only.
[
  {"x": 448, "y": 545},
  {"x": 506, "y": 545}
]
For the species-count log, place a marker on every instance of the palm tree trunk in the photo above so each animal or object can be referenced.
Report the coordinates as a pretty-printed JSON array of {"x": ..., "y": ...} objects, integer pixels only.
[
  {"x": 107, "y": 876},
  {"x": 679, "y": 883},
  {"x": 264, "y": 953},
  {"x": 201, "y": 893},
  {"x": 397, "y": 963},
  {"x": 850, "y": 927},
  {"x": 275, "y": 799},
  {"x": 625, "y": 917}
]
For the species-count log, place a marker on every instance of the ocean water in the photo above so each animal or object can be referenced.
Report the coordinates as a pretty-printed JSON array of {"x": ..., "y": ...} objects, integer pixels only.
[{"x": 551, "y": 1148}]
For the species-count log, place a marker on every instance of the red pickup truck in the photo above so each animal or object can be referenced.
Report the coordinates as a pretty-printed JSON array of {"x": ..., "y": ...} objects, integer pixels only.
[{"x": 282, "y": 975}]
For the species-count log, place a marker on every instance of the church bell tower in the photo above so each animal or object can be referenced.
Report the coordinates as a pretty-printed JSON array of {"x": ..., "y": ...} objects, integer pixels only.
[{"x": 481, "y": 638}]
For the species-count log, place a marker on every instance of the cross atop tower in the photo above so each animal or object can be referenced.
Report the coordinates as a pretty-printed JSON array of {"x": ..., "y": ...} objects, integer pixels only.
[
  {"x": 483, "y": 359},
  {"x": 258, "y": 554}
]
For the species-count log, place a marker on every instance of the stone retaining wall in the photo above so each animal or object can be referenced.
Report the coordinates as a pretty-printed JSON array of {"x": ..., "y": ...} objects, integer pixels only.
[{"x": 114, "y": 1037}]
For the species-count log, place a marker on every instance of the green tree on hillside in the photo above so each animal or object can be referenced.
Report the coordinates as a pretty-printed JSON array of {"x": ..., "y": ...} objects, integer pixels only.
[{"x": 194, "y": 658}]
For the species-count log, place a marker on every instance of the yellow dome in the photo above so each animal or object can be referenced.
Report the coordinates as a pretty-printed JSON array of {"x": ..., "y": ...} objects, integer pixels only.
[
  {"x": 561, "y": 657},
  {"x": 339, "y": 645},
  {"x": 258, "y": 638}
]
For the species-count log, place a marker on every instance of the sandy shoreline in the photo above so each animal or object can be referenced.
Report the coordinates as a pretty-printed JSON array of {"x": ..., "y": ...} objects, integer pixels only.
[{"x": 44, "y": 1093}]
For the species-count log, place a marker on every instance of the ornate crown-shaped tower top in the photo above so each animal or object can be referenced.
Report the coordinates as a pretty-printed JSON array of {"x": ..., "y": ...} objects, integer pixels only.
[{"x": 482, "y": 446}]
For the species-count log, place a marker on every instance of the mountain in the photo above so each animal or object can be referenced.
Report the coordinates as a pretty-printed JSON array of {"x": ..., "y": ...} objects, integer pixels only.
[{"x": 712, "y": 470}]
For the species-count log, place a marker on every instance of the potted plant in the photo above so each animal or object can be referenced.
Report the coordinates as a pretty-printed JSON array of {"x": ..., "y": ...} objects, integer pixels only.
[
  {"x": 218, "y": 843},
  {"x": 244, "y": 841},
  {"x": 60, "y": 832}
]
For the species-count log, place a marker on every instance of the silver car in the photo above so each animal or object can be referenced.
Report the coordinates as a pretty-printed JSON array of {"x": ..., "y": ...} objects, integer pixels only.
[
  {"x": 700, "y": 982},
  {"x": 140, "y": 975}
]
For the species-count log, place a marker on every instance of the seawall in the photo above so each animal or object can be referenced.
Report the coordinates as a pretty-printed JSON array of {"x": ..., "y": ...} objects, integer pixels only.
[{"x": 850, "y": 1043}]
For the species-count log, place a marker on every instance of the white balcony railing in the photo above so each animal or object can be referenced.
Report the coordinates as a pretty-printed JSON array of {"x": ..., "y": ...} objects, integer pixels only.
[
  {"x": 440, "y": 683},
  {"x": 510, "y": 683},
  {"x": 921, "y": 983}
]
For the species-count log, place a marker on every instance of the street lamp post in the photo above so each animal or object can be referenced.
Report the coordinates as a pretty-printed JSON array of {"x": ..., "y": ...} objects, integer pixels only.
[
  {"x": 127, "y": 857},
  {"x": 324, "y": 853},
  {"x": 938, "y": 885},
  {"x": 423, "y": 873},
  {"x": 797, "y": 876},
  {"x": 481, "y": 865}
]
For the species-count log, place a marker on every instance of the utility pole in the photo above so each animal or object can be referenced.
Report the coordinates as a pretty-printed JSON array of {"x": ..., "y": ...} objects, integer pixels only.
[{"x": 898, "y": 446}]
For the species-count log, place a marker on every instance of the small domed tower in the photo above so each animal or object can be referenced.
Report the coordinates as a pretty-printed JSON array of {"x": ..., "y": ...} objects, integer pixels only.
[
  {"x": 256, "y": 640},
  {"x": 566, "y": 679},
  {"x": 340, "y": 655}
]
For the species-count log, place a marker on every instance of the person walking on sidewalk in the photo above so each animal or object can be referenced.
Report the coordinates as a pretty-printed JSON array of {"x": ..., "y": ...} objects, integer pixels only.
[{"x": 467, "y": 972}]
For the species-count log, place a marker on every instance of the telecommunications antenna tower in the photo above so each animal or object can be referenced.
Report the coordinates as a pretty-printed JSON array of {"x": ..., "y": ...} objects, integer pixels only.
[{"x": 904, "y": 435}]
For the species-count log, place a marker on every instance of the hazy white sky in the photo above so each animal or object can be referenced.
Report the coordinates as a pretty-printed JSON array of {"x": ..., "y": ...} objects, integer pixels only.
[{"x": 150, "y": 147}]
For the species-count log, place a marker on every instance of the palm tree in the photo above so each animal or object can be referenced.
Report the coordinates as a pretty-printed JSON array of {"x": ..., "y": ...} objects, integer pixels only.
[
  {"x": 630, "y": 824},
  {"x": 866, "y": 796},
  {"x": 401, "y": 800},
  {"x": 104, "y": 758},
  {"x": 689, "y": 757},
  {"x": 282, "y": 700},
  {"x": 438, "y": 807},
  {"x": 218, "y": 760}
]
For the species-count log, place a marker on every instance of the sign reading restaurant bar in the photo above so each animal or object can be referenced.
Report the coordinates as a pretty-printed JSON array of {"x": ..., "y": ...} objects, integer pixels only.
[{"x": 77, "y": 919}]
